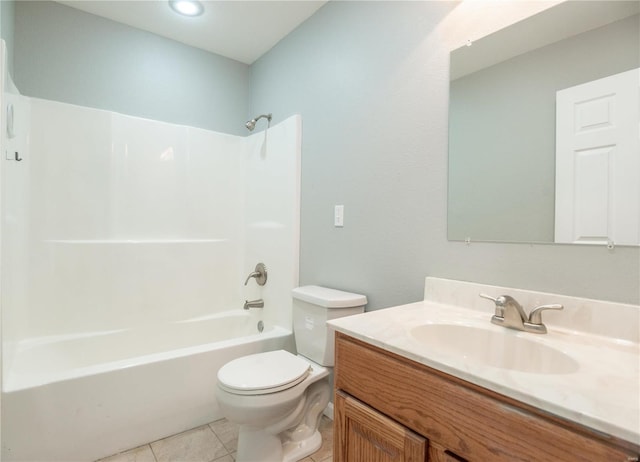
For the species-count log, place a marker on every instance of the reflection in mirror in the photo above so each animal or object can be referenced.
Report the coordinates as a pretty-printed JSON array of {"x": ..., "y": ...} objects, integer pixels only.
[{"x": 502, "y": 130}]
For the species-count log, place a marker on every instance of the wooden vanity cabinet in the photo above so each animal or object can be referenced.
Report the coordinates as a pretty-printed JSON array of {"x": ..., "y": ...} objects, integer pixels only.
[{"x": 388, "y": 408}]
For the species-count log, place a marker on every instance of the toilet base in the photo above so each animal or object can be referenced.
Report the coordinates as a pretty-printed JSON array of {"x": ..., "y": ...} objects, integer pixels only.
[
  {"x": 297, "y": 450},
  {"x": 269, "y": 448},
  {"x": 291, "y": 439},
  {"x": 255, "y": 445}
]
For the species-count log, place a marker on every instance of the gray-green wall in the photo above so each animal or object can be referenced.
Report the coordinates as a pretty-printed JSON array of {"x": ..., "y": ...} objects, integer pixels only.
[
  {"x": 7, "y": 14},
  {"x": 64, "y": 54},
  {"x": 371, "y": 82}
]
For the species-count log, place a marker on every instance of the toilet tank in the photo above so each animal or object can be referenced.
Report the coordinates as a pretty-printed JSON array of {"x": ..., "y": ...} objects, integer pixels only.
[{"x": 313, "y": 306}]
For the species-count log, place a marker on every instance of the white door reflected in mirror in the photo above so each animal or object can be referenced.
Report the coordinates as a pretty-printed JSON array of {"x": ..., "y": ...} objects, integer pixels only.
[{"x": 598, "y": 161}]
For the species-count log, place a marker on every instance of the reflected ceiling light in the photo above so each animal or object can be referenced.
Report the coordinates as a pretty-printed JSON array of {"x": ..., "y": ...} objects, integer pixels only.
[{"x": 187, "y": 7}]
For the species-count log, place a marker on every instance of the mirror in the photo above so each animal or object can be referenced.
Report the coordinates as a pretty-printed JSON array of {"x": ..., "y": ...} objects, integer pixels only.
[{"x": 502, "y": 124}]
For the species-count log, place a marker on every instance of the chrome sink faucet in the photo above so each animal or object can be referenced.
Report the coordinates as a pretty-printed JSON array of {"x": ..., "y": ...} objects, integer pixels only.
[{"x": 509, "y": 313}]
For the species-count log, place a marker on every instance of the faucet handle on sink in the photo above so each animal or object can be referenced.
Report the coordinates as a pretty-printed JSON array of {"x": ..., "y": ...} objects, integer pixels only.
[
  {"x": 535, "y": 317},
  {"x": 489, "y": 297},
  {"x": 499, "y": 301}
]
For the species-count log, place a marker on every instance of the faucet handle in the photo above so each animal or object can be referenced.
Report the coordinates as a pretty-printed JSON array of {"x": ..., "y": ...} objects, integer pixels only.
[
  {"x": 535, "y": 317},
  {"x": 499, "y": 301},
  {"x": 489, "y": 297},
  {"x": 260, "y": 274}
]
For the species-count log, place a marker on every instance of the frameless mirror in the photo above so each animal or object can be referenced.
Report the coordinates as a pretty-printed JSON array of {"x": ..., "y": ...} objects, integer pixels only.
[{"x": 519, "y": 95}]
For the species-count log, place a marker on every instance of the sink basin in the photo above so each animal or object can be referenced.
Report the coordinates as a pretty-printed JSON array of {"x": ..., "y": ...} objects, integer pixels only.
[{"x": 505, "y": 350}]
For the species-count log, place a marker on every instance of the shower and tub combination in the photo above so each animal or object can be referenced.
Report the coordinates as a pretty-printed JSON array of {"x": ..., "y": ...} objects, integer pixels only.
[{"x": 126, "y": 245}]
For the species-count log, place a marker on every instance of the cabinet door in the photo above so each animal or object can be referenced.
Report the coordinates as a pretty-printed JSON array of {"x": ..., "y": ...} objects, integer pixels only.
[{"x": 361, "y": 434}]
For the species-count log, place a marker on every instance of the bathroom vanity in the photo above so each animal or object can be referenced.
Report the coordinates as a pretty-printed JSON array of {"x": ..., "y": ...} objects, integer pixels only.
[{"x": 405, "y": 392}]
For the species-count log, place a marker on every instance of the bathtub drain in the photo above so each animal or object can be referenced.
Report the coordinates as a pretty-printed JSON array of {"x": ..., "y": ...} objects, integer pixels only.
[{"x": 260, "y": 326}]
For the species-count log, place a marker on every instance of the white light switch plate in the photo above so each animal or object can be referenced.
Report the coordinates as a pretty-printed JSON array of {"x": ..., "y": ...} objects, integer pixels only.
[{"x": 338, "y": 216}]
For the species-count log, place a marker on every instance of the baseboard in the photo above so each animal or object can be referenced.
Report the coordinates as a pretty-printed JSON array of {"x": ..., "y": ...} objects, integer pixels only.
[{"x": 328, "y": 411}]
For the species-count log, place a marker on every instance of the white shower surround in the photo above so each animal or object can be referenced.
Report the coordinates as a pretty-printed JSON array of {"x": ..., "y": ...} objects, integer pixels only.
[
  {"x": 145, "y": 232},
  {"x": 127, "y": 221}
]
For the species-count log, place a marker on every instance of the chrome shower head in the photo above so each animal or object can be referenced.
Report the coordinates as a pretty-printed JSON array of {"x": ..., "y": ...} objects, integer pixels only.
[{"x": 252, "y": 123}]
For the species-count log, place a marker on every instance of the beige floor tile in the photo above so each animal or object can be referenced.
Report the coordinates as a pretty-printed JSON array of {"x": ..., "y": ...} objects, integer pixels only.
[
  {"x": 141, "y": 454},
  {"x": 227, "y": 432},
  {"x": 197, "y": 445},
  {"x": 216, "y": 442},
  {"x": 224, "y": 459}
]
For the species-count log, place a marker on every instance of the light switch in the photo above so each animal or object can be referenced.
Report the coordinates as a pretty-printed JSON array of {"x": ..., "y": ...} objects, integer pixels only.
[{"x": 338, "y": 216}]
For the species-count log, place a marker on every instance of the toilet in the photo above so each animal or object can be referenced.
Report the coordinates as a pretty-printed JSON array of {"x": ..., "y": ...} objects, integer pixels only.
[{"x": 278, "y": 397}]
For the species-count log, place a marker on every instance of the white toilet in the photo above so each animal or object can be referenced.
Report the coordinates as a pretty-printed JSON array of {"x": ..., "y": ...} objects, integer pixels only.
[{"x": 278, "y": 397}]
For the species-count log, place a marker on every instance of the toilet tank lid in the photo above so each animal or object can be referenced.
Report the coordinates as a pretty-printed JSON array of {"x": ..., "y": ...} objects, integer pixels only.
[{"x": 328, "y": 298}]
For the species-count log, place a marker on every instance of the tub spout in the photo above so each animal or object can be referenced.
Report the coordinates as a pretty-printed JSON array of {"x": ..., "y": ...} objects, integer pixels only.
[{"x": 253, "y": 304}]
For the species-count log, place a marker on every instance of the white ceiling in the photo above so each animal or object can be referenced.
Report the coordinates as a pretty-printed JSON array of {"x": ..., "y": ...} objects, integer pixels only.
[{"x": 238, "y": 29}]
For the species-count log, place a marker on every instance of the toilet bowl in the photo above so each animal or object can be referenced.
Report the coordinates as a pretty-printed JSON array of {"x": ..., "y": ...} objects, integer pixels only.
[{"x": 278, "y": 397}]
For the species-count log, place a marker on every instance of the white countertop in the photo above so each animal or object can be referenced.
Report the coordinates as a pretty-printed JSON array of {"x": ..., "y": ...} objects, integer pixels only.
[{"x": 603, "y": 393}]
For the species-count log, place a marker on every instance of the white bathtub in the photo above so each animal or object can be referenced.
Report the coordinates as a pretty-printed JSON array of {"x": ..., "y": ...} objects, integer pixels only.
[{"x": 83, "y": 397}]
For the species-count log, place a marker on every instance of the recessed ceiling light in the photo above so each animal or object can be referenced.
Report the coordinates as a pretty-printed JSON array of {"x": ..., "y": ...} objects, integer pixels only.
[{"x": 187, "y": 7}]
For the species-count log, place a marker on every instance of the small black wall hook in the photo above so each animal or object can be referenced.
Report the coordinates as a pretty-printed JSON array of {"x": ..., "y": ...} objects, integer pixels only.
[{"x": 18, "y": 158}]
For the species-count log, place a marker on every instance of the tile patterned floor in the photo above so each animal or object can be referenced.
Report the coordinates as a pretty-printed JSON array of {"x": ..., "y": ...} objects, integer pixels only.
[{"x": 215, "y": 442}]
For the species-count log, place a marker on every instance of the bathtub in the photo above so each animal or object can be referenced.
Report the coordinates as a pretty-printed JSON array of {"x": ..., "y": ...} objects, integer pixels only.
[{"x": 86, "y": 396}]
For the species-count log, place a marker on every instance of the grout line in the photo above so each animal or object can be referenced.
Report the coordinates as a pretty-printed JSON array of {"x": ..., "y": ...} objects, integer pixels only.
[
  {"x": 229, "y": 450},
  {"x": 153, "y": 452},
  {"x": 220, "y": 441}
]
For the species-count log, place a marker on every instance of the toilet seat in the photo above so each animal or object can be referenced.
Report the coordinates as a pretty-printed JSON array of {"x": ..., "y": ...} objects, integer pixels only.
[{"x": 263, "y": 373}]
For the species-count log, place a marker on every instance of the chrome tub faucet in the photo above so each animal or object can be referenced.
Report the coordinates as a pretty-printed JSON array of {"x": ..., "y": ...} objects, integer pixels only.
[{"x": 253, "y": 304}]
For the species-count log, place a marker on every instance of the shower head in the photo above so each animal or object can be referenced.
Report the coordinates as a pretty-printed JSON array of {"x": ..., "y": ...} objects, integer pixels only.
[{"x": 252, "y": 123}]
